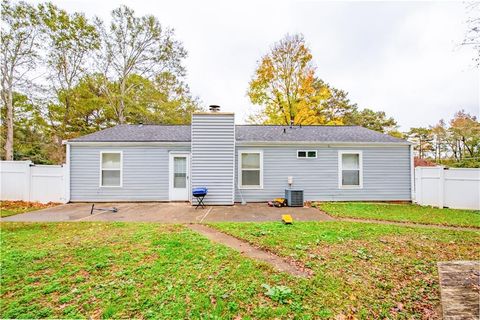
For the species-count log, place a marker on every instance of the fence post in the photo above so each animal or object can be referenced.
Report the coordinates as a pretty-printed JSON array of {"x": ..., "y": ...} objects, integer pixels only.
[
  {"x": 441, "y": 186},
  {"x": 418, "y": 185},
  {"x": 28, "y": 180}
]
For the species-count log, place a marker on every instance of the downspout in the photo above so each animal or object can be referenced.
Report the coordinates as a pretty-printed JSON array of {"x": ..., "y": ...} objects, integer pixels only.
[
  {"x": 412, "y": 175},
  {"x": 234, "y": 159},
  {"x": 241, "y": 196}
]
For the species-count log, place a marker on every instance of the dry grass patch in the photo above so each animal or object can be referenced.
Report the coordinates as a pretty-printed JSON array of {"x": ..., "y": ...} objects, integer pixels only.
[
  {"x": 10, "y": 208},
  {"x": 366, "y": 270}
]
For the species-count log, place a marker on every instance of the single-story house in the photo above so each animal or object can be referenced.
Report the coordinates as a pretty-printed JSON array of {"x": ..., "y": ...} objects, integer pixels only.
[{"x": 252, "y": 163}]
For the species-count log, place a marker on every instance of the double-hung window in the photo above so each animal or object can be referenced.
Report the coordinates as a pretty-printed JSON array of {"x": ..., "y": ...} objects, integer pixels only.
[
  {"x": 350, "y": 169},
  {"x": 250, "y": 169},
  {"x": 111, "y": 169}
]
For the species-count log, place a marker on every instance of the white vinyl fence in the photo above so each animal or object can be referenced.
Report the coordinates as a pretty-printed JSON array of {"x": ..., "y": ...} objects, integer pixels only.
[
  {"x": 22, "y": 180},
  {"x": 456, "y": 188}
]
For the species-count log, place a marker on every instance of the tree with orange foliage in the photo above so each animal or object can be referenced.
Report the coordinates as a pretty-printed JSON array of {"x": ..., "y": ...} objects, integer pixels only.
[
  {"x": 287, "y": 90},
  {"x": 465, "y": 129},
  {"x": 284, "y": 84}
]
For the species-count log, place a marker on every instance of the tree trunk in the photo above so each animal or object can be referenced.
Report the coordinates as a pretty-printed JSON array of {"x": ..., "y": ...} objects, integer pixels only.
[
  {"x": 66, "y": 116},
  {"x": 420, "y": 153},
  {"x": 121, "y": 109},
  {"x": 455, "y": 151},
  {"x": 9, "y": 121},
  {"x": 470, "y": 151},
  {"x": 459, "y": 148},
  {"x": 121, "y": 116},
  {"x": 440, "y": 151}
]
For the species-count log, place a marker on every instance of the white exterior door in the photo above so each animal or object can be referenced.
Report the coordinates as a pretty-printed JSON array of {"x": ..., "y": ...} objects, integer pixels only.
[{"x": 179, "y": 176}]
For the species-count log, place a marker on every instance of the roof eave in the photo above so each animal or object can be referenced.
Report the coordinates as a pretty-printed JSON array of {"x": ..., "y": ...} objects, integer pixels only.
[
  {"x": 341, "y": 143},
  {"x": 127, "y": 143},
  {"x": 238, "y": 143}
]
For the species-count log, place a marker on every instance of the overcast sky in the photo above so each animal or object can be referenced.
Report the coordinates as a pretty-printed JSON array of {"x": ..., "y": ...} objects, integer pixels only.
[{"x": 400, "y": 57}]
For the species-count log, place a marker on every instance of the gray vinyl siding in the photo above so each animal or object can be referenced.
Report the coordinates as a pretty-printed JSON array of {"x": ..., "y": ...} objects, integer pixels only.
[
  {"x": 145, "y": 174},
  {"x": 386, "y": 174},
  {"x": 212, "y": 161},
  {"x": 386, "y": 170}
]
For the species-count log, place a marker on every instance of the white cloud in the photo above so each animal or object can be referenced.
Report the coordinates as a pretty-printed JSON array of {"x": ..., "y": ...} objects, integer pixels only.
[{"x": 400, "y": 57}]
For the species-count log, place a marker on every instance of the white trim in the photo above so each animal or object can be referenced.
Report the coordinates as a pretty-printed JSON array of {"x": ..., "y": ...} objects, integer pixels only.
[
  {"x": 238, "y": 143},
  {"x": 67, "y": 174},
  {"x": 101, "y": 169},
  {"x": 233, "y": 160},
  {"x": 321, "y": 143},
  {"x": 128, "y": 144},
  {"x": 239, "y": 172},
  {"x": 412, "y": 174},
  {"x": 171, "y": 155},
  {"x": 340, "y": 169},
  {"x": 191, "y": 161},
  {"x": 306, "y": 154}
]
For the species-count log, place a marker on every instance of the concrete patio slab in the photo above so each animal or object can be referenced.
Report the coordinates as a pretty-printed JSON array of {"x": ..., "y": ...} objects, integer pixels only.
[
  {"x": 460, "y": 289},
  {"x": 168, "y": 212}
]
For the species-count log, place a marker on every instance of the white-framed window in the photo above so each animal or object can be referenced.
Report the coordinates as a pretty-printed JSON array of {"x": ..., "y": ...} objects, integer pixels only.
[
  {"x": 250, "y": 169},
  {"x": 350, "y": 170},
  {"x": 304, "y": 154},
  {"x": 111, "y": 168}
]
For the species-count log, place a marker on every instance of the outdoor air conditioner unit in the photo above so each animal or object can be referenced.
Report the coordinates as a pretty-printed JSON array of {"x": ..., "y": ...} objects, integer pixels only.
[{"x": 294, "y": 197}]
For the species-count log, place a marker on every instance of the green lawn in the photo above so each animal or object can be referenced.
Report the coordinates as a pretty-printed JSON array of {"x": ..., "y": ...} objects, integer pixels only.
[
  {"x": 121, "y": 270},
  {"x": 402, "y": 213},
  {"x": 137, "y": 270},
  {"x": 10, "y": 208},
  {"x": 365, "y": 270}
]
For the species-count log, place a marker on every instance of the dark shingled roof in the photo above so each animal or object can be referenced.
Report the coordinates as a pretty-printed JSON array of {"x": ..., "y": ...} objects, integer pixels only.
[
  {"x": 312, "y": 134},
  {"x": 267, "y": 133},
  {"x": 139, "y": 133}
]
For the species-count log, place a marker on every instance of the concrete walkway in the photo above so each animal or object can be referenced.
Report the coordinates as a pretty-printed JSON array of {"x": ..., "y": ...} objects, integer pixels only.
[
  {"x": 460, "y": 289},
  {"x": 167, "y": 212},
  {"x": 248, "y": 250}
]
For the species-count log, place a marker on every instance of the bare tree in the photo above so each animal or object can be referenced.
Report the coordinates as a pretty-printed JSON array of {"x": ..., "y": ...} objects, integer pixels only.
[
  {"x": 472, "y": 36},
  {"x": 136, "y": 45},
  {"x": 70, "y": 40},
  {"x": 19, "y": 45}
]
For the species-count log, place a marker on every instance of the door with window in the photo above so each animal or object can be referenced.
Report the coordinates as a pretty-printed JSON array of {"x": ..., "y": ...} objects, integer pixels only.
[{"x": 179, "y": 176}]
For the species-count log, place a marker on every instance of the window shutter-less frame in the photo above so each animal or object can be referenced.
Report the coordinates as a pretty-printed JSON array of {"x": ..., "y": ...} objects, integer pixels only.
[
  {"x": 250, "y": 169},
  {"x": 111, "y": 168},
  {"x": 350, "y": 173}
]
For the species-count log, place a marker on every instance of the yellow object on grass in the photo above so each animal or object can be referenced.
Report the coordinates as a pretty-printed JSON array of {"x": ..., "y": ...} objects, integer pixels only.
[
  {"x": 280, "y": 202},
  {"x": 287, "y": 219}
]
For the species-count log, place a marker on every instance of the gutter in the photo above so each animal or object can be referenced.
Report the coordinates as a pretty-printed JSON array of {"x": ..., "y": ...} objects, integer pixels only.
[
  {"x": 320, "y": 143},
  {"x": 237, "y": 143},
  {"x": 126, "y": 143}
]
